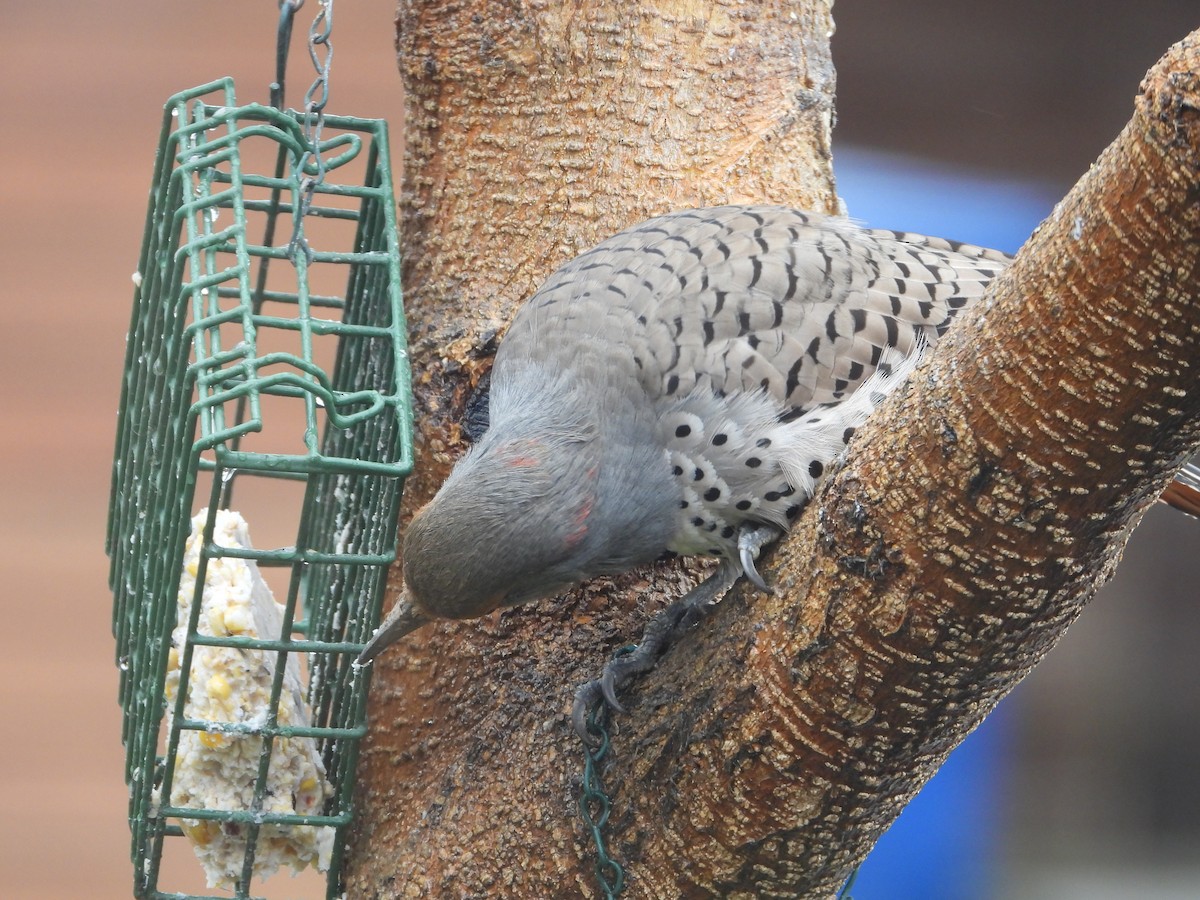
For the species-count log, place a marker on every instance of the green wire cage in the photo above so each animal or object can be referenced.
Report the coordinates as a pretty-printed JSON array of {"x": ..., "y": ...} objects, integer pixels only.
[{"x": 270, "y": 377}]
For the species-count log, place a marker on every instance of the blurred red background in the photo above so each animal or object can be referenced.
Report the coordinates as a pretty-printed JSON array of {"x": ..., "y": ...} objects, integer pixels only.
[{"x": 988, "y": 85}]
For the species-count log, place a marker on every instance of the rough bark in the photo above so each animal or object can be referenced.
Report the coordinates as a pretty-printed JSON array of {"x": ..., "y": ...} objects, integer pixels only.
[
  {"x": 976, "y": 514},
  {"x": 533, "y": 131}
]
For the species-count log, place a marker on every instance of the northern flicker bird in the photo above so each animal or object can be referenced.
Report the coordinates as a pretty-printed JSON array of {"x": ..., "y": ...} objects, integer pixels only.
[{"x": 682, "y": 387}]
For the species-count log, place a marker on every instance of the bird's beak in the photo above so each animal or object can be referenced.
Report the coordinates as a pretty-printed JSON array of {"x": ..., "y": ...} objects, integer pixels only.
[{"x": 403, "y": 619}]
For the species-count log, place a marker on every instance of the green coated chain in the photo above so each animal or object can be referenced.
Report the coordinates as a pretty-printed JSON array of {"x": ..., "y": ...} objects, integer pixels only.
[{"x": 594, "y": 804}]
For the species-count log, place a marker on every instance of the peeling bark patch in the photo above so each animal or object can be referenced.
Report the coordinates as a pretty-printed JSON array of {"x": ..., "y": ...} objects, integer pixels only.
[
  {"x": 805, "y": 653},
  {"x": 980, "y": 479},
  {"x": 875, "y": 565},
  {"x": 949, "y": 438}
]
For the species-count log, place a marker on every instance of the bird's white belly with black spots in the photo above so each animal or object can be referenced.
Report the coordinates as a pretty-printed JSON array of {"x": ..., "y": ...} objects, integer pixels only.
[
  {"x": 741, "y": 459},
  {"x": 726, "y": 455}
]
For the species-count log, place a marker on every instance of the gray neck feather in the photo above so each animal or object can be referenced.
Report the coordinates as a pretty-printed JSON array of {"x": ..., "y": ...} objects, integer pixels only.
[{"x": 567, "y": 483}]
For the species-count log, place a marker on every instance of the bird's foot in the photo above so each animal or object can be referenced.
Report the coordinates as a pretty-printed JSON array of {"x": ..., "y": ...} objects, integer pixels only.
[
  {"x": 664, "y": 629},
  {"x": 751, "y": 540}
]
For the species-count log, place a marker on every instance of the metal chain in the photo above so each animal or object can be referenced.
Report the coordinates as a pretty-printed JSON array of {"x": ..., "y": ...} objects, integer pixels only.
[
  {"x": 311, "y": 165},
  {"x": 594, "y": 804}
]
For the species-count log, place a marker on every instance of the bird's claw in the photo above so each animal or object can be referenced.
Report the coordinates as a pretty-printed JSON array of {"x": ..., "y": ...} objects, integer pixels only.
[
  {"x": 608, "y": 687},
  {"x": 585, "y": 698},
  {"x": 662, "y": 631},
  {"x": 628, "y": 662},
  {"x": 748, "y": 569},
  {"x": 751, "y": 540}
]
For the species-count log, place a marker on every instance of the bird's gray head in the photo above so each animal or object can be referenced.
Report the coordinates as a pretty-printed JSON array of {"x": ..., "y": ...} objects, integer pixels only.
[
  {"x": 563, "y": 486},
  {"x": 511, "y": 523}
]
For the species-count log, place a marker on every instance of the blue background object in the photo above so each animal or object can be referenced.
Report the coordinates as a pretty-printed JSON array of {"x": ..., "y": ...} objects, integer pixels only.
[
  {"x": 944, "y": 846},
  {"x": 911, "y": 194}
]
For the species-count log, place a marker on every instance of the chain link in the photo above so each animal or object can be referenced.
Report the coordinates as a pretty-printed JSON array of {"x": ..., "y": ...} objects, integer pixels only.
[
  {"x": 311, "y": 164},
  {"x": 594, "y": 804}
]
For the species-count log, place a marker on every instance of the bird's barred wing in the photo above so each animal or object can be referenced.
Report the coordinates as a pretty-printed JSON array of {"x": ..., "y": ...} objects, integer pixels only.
[{"x": 741, "y": 298}]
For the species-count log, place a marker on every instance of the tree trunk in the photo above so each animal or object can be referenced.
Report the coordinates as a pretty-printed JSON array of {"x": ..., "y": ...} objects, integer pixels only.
[{"x": 975, "y": 516}]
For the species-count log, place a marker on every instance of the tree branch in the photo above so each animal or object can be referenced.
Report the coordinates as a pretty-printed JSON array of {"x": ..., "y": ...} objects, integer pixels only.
[
  {"x": 975, "y": 516},
  {"x": 533, "y": 131}
]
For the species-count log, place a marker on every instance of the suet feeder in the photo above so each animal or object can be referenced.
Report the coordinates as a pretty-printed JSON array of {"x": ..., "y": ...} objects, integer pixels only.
[{"x": 266, "y": 359}]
